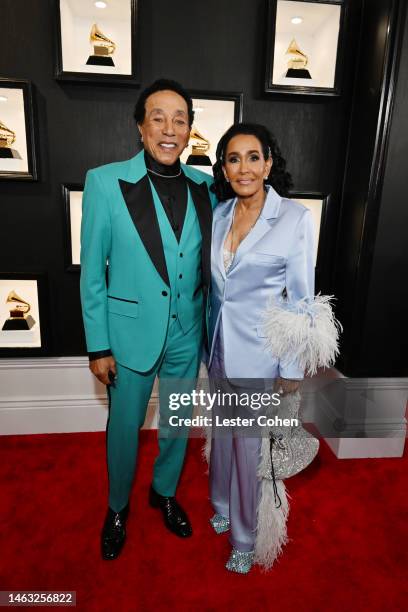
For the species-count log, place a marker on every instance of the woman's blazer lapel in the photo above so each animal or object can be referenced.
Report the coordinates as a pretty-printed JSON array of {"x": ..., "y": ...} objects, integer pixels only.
[
  {"x": 270, "y": 211},
  {"x": 222, "y": 223},
  {"x": 262, "y": 226}
]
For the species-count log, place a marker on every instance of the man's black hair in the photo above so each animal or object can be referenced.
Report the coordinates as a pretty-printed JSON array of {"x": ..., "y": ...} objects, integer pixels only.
[{"x": 162, "y": 85}]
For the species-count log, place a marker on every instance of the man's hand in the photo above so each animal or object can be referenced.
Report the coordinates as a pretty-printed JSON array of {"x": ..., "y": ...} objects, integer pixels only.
[
  {"x": 101, "y": 368},
  {"x": 286, "y": 385}
]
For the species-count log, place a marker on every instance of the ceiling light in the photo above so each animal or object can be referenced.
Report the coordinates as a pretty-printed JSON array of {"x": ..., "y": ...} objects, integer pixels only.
[
  {"x": 100, "y": 4},
  {"x": 3, "y": 98},
  {"x": 297, "y": 20}
]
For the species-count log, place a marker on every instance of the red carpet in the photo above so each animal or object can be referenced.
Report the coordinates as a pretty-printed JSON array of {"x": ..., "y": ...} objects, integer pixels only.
[{"x": 348, "y": 528}]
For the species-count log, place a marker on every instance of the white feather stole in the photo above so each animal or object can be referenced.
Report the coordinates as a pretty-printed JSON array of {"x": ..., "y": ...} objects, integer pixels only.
[
  {"x": 206, "y": 450},
  {"x": 306, "y": 332},
  {"x": 271, "y": 535}
]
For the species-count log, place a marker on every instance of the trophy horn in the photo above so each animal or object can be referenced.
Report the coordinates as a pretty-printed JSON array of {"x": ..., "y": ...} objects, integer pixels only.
[
  {"x": 298, "y": 56},
  {"x": 199, "y": 147},
  {"x": 200, "y": 144},
  {"x": 7, "y": 136},
  {"x": 102, "y": 44},
  {"x": 13, "y": 298}
]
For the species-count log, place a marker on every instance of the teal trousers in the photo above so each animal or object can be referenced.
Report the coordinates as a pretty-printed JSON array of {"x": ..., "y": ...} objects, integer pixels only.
[{"x": 177, "y": 370}]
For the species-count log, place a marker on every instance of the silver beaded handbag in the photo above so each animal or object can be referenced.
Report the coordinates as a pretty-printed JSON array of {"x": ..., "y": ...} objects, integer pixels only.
[{"x": 286, "y": 450}]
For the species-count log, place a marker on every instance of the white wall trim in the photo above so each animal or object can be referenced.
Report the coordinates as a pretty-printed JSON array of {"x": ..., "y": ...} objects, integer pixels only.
[
  {"x": 361, "y": 417},
  {"x": 59, "y": 394},
  {"x": 54, "y": 395}
]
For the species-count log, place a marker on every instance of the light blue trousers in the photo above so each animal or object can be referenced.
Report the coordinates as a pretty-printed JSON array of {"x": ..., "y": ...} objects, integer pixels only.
[{"x": 234, "y": 485}]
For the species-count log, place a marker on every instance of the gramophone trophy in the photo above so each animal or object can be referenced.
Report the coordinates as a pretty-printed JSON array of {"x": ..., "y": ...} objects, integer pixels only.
[
  {"x": 7, "y": 137},
  {"x": 103, "y": 48},
  {"x": 19, "y": 318},
  {"x": 298, "y": 62},
  {"x": 200, "y": 146}
]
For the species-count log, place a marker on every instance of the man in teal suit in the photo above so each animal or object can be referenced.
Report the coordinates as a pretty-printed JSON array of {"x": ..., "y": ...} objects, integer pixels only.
[{"x": 149, "y": 219}]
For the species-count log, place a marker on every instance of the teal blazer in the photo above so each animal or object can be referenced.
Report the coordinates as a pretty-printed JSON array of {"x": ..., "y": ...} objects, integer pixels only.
[{"x": 128, "y": 314}]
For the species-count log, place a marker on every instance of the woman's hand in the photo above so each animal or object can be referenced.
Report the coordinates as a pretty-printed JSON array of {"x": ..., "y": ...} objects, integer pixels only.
[{"x": 285, "y": 385}]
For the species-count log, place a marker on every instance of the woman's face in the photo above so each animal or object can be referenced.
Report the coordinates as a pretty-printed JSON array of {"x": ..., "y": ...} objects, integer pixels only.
[{"x": 245, "y": 166}]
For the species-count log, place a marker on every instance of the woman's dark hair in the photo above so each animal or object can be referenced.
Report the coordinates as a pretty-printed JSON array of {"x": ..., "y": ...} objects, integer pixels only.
[
  {"x": 162, "y": 85},
  {"x": 278, "y": 177}
]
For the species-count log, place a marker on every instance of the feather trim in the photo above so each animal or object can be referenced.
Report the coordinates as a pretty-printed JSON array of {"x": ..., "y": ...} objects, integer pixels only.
[
  {"x": 271, "y": 534},
  {"x": 306, "y": 332},
  {"x": 206, "y": 450},
  {"x": 203, "y": 384}
]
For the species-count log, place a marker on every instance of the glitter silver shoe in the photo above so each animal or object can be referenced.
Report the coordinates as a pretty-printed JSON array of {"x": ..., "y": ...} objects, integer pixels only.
[
  {"x": 220, "y": 523},
  {"x": 240, "y": 562}
]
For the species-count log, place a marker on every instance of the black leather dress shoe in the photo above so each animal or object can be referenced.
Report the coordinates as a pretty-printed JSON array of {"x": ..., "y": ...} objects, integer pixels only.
[
  {"x": 113, "y": 534},
  {"x": 175, "y": 519}
]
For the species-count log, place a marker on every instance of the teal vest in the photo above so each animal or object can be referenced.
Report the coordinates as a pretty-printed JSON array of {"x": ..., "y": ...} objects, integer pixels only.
[{"x": 183, "y": 260}]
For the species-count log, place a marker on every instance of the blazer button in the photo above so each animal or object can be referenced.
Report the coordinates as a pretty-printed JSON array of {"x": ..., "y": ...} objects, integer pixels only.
[
  {"x": 164, "y": 293},
  {"x": 180, "y": 276},
  {"x": 174, "y": 316},
  {"x": 181, "y": 254}
]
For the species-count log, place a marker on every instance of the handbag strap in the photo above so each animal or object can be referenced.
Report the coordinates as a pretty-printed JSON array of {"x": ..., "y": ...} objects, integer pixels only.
[{"x": 275, "y": 488}]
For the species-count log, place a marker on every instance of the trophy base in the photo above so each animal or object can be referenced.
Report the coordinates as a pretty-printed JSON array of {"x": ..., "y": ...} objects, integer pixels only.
[
  {"x": 298, "y": 73},
  {"x": 198, "y": 160},
  {"x": 7, "y": 153},
  {"x": 20, "y": 323},
  {"x": 100, "y": 60}
]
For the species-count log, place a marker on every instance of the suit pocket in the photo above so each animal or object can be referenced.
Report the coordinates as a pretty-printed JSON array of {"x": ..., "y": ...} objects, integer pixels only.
[
  {"x": 266, "y": 259},
  {"x": 125, "y": 308}
]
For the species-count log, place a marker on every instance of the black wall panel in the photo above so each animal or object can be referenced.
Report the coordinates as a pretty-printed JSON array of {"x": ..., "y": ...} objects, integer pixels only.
[
  {"x": 384, "y": 347},
  {"x": 372, "y": 254},
  {"x": 212, "y": 45}
]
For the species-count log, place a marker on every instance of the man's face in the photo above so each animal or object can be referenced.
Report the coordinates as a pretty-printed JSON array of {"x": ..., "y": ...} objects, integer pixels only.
[{"x": 165, "y": 129}]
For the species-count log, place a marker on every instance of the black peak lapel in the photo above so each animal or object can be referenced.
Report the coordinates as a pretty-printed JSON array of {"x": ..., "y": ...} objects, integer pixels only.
[
  {"x": 139, "y": 200},
  {"x": 202, "y": 205}
]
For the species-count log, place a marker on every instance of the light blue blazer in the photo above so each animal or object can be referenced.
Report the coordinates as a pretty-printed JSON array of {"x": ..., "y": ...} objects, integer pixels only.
[{"x": 277, "y": 253}]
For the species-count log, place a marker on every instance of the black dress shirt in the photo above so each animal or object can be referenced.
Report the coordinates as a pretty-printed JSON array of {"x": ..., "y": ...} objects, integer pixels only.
[{"x": 171, "y": 191}]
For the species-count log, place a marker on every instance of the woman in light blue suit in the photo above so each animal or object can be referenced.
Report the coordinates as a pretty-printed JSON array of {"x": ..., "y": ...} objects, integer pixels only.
[{"x": 262, "y": 249}]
